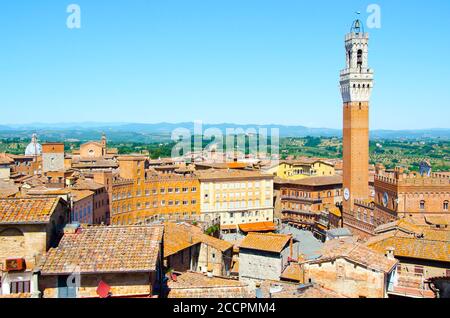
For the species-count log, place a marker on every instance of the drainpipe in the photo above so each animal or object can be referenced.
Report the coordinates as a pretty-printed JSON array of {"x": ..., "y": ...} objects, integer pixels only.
[
  {"x": 161, "y": 269},
  {"x": 35, "y": 282}
]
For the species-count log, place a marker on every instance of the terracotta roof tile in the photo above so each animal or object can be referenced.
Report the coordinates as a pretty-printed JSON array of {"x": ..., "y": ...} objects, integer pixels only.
[
  {"x": 268, "y": 242},
  {"x": 227, "y": 174},
  {"x": 179, "y": 236},
  {"x": 357, "y": 253},
  {"x": 197, "y": 285},
  {"x": 19, "y": 295},
  {"x": 257, "y": 227},
  {"x": 79, "y": 195},
  {"x": 433, "y": 245},
  {"x": 27, "y": 210},
  {"x": 105, "y": 250},
  {"x": 293, "y": 272},
  {"x": 277, "y": 289},
  {"x": 313, "y": 181}
]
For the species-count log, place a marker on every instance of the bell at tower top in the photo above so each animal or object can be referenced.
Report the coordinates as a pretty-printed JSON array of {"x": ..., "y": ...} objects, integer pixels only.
[
  {"x": 357, "y": 27},
  {"x": 356, "y": 79}
]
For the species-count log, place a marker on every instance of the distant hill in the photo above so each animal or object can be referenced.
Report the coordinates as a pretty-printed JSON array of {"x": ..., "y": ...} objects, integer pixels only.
[{"x": 159, "y": 132}]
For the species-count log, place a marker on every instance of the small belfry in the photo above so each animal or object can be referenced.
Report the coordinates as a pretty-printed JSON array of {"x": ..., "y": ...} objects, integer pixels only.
[{"x": 356, "y": 82}]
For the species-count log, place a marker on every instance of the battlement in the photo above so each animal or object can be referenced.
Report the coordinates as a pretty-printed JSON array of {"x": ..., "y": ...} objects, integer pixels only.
[
  {"x": 414, "y": 178},
  {"x": 368, "y": 204},
  {"x": 118, "y": 182},
  {"x": 359, "y": 36}
]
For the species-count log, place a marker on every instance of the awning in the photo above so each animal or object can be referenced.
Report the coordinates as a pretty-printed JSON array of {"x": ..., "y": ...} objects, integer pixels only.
[
  {"x": 257, "y": 227},
  {"x": 228, "y": 227}
]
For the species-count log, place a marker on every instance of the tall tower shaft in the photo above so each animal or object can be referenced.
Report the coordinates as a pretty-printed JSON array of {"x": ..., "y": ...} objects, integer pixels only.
[{"x": 356, "y": 82}]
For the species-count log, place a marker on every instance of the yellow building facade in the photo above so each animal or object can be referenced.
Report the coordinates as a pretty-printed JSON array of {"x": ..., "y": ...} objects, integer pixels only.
[
  {"x": 300, "y": 169},
  {"x": 236, "y": 197}
]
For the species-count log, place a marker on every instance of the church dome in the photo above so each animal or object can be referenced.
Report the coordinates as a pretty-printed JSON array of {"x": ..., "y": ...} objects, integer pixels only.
[{"x": 33, "y": 148}]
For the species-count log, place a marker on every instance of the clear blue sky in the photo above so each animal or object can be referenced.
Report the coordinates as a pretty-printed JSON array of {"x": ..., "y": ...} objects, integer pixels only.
[{"x": 242, "y": 61}]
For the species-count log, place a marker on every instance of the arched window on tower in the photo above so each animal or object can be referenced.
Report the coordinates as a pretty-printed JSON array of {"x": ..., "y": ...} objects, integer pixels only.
[
  {"x": 446, "y": 205},
  {"x": 359, "y": 60},
  {"x": 422, "y": 205}
]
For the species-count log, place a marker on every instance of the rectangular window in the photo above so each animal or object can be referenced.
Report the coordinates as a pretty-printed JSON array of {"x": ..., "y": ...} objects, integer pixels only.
[
  {"x": 19, "y": 287},
  {"x": 418, "y": 269}
]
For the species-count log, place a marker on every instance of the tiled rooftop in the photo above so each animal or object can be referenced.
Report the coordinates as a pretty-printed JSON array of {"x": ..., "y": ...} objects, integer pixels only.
[
  {"x": 268, "y": 242},
  {"x": 312, "y": 181},
  {"x": 356, "y": 252},
  {"x": 79, "y": 195},
  {"x": 293, "y": 272},
  {"x": 7, "y": 189},
  {"x": 19, "y": 295},
  {"x": 179, "y": 236},
  {"x": 87, "y": 184},
  {"x": 27, "y": 210},
  {"x": 212, "y": 174},
  {"x": 197, "y": 285},
  {"x": 276, "y": 289},
  {"x": 434, "y": 245},
  {"x": 113, "y": 249},
  {"x": 257, "y": 227}
]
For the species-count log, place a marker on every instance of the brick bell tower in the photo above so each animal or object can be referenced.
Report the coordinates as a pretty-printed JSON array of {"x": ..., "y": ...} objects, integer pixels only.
[{"x": 356, "y": 83}]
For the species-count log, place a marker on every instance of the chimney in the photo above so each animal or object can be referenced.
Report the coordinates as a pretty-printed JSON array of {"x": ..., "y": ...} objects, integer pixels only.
[
  {"x": 291, "y": 248},
  {"x": 72, "y": 228},
  {"x": 390, "y": 252}
]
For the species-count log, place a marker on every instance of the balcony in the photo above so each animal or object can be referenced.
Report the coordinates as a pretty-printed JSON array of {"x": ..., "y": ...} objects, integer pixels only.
[
  {"x": 309, "y": 213},
  {"x": 302, "y": 199}
]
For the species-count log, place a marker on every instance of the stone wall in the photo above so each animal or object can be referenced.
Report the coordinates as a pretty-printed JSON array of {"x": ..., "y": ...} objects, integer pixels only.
[
  {"x": 22, "y": 241},
  {"x": 212, "y": 259},
  {"x": 184, "y": 260},
  {"x": 31, "y": 241},
  {"x": 123, "y": 284},
  {"x": 259, "y": 265},
  {"x": 347, "y": 278}
]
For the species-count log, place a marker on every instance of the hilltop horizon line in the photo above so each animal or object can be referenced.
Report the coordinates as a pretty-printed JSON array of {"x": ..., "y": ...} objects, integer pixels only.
[{"x": 97, "y": 124}]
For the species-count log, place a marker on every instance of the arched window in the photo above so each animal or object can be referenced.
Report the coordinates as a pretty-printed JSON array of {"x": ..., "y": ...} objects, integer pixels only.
[
  {"x": 422, "y": 205},
  {"x": 359, "y": 59},
  {"x": 445, "y": 205}
]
